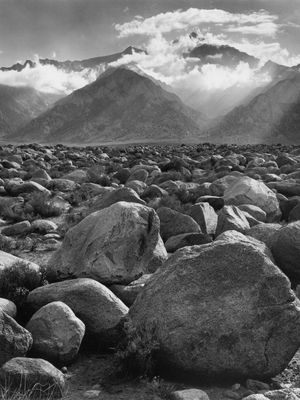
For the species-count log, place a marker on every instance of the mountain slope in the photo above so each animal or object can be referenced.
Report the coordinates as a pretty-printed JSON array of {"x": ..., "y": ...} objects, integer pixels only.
[
  {"x": 18, "y": 105},
  {"x": 222, "y": 55},
  {"x": 120, "y": 106},
  {"x": 76, "y": 65},
  {"x": 271, "y": 117}
]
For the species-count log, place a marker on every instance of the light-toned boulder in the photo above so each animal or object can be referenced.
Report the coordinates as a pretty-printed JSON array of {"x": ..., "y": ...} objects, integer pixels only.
[
  {"x": 92, "y": 302},
  {"x": 57, "y": 333},
  {"x": 250, "y": 191},
  {"x": 38, "y": 376},
  {"x": 14, "y": 339},
  {"x": 114, "y": 245}
]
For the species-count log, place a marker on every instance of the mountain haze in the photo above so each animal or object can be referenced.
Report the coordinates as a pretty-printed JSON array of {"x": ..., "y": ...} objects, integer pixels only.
[
  {"x": 18, "y": 105},
  {"x": 271, "y": 117}
]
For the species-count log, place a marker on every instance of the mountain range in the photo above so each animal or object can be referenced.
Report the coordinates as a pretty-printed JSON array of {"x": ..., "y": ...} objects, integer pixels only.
[
  {"x": 120, "y": 106},
  {"x": 126, "y": 105}
]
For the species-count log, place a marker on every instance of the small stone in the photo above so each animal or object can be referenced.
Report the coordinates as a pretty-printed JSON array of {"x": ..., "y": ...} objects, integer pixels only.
[
  {"x": 91, "y": 394},
  {"x": 189, "y": 394},
  {"x": 256, "y": 386}
]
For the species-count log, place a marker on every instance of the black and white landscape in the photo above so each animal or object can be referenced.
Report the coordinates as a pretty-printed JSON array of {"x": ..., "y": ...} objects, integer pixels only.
[{"x": 149, "y": 199}]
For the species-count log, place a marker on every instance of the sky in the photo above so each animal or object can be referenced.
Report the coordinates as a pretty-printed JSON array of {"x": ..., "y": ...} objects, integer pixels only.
[{"x": 78, "y": 29}]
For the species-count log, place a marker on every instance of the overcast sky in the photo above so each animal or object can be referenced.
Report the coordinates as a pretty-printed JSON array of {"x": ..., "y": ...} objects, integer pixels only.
[{"x": 77, "y": 29}]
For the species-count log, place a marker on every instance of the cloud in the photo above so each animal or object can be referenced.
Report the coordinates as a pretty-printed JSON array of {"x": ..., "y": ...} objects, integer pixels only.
[
  {"x": 264, "y": 29},
  {"x": 165, "y": 62},
  {"x": 183, "y": 20},
  {"x": 48, "y": 78}
]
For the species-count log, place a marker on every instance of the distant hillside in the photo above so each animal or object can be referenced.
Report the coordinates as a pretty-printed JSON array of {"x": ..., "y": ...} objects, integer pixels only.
[
  {"x": 271, "y": 117},
  {"x": 18, "y": 105},
  {"x": 120, "y": 105}
]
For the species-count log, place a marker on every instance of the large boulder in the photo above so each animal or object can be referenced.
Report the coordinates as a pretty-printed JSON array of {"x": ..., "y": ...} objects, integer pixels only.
[
  {"x": 264, "y": 232},
  {"x": 250, "y": 191},
  {"x": 232, "y": 218},
  {"x": 222, "y": 310},
  {"x": 33, "y": 375},
  {"x": 114, "y": 245},
  {"x": 8, "y": 307},
  {"x": 14, "y": 339},
  {"x": 173, "y": 223},
  {"x": 111, "y": 197},
  {"x": 205, "y": 215},
  {"x": 57, "y": 333},
  {"x": 286, "y": 249},
  {"x": 8, "y": 261},
  {"x": 94, "y": 304}
]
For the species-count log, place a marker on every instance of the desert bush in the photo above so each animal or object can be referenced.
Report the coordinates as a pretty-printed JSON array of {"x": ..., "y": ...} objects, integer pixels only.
[
  {"x": 7, "y": 244},
  {"x": 136, "y": 355},
  {"x": 158, "y": 387},
  {"x": 44, "y": 206},
  {"x": 18, "y": 280}
]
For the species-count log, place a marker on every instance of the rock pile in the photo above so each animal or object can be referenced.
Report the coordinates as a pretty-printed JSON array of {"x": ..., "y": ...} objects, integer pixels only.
[{"x": 195, "y": 247}]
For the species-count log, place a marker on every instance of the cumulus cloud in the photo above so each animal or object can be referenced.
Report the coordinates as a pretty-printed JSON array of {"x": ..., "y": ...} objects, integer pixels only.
[
  {"x": 182, "y": 20},
  {"x": 165, "y": 62},
  {"x": 48, "y": 78}
]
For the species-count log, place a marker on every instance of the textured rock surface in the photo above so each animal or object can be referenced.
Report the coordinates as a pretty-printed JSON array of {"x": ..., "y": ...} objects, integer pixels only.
[
  {"x": 14, "y": 339},
  {"x": 114, "y": 245},
  {"x": 93, "y": 303},
  {"x": 34, "y": 374},
  {"x": 286, "y": 249},
  {"x": 223, "y": 310},
  {"x": 57, "y": 333},
  {"x": 8, "y": 307},
  {"x": 174, "y": 223},
  {"x": 231, "y": 218},
  {"x": 250, "y": 191}
]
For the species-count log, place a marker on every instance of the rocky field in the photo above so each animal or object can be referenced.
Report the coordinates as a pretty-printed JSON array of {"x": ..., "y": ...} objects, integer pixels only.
[{"x": 150, "y": 272}]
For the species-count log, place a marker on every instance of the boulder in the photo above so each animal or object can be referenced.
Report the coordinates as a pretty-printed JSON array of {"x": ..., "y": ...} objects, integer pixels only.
[
  {"x": 57, "y": 333},
  {"x": 286, "y": 249},
  {"x": 186, "y": 239},
  {"x": 264, "y": 233},
  {"x": 95, "y": 305},
  {"x": 129, "y": 293},
  {"x": 15, "y": 187},
  {"x": 206, "y": 217},
  {"x": 250, "y": 191},
  {"x": 189, "y": 394},
  {"x": 14, "y": 339},
  {"x": 231, "y": 218},
  {"x": 43, "y": 226},
  {"x": 8, "y": 261},
  {"x": 20, "y": 228},
  {"x": 221, "y": 310},
  {"x": 174, "y": 223},
  {"x": 123, "y": 194},
  {"x": 8, "y": 307},
  {"x": 255, "y": 211},
  {"x": 114, "y": 245},
  {"x": 38, "y": 376}
]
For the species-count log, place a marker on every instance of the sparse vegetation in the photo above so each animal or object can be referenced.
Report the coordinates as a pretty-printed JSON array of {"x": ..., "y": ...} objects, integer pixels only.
[
  {"x": 136, "y": 355},
  {"x": 44, "y": 206},
  {"x": 18, "y": 280},
  {"x": 21, "y": 393}
]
